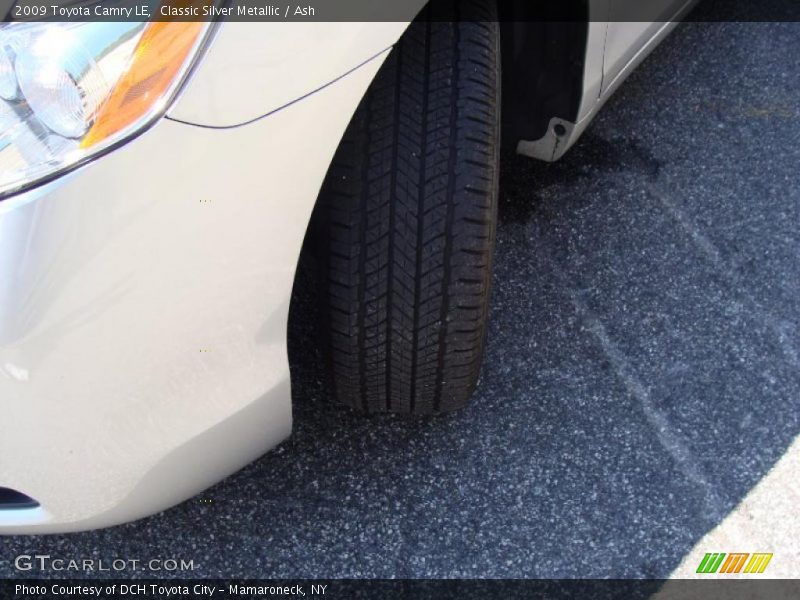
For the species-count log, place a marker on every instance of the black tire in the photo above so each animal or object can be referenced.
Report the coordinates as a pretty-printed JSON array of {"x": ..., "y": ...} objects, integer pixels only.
[{"x": 408, "y": 215}]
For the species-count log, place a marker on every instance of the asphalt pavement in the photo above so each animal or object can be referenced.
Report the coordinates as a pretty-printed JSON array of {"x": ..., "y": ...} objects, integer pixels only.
[{"x": 641, "y": 374}]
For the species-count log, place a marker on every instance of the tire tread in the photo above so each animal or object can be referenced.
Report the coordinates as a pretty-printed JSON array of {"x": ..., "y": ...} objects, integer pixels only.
[{"x": 409, "y": 211}]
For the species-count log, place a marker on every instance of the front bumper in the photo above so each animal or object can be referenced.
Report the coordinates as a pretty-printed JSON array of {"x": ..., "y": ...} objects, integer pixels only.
[{"x": 143, "y": 309}]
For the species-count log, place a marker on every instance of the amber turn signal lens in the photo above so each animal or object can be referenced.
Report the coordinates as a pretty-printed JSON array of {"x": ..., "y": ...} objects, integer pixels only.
[{"x": 158, "y": 58}]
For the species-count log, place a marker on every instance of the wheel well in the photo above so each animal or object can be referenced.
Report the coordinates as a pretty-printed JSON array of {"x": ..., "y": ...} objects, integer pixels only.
[{"x": 543, "y": 61}]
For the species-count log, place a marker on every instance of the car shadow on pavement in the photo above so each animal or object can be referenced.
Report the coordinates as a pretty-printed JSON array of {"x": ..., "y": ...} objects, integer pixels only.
[
  {"x": 633, "y": 392},
  {"x": 642, "y": 368}
]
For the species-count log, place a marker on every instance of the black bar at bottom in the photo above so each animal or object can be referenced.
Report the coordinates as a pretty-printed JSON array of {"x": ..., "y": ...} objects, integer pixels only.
[{"x": 383, "y": 589}]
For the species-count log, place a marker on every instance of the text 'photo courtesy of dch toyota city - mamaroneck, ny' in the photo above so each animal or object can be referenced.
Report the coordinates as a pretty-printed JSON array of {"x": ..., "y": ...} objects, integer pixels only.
[{"x": 399, "y": 299}]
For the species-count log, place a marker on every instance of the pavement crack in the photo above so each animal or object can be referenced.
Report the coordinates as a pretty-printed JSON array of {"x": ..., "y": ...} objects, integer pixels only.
[
  {"x": 659, "y": 421},
  {"x": 779, "y": 327},
  {"x": 705, "y": 245}
]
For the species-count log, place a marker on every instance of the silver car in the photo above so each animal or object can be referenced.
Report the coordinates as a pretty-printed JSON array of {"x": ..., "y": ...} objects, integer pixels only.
[{"x": 157, "y": 180}]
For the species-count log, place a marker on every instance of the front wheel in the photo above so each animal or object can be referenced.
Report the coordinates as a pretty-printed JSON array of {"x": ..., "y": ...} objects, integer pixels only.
[{"x": 408, "y": 215}]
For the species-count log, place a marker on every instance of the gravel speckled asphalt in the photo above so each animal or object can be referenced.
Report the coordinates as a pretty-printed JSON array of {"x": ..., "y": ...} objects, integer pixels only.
[{"x": 642, "y": 368}]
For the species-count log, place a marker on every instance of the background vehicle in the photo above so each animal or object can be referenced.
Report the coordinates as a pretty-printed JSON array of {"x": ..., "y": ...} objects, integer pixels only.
[{"x": 146, "y": 270}]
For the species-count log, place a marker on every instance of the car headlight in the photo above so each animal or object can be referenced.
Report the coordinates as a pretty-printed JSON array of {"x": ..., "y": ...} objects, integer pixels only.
[{"x": 70, "y": 91}]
